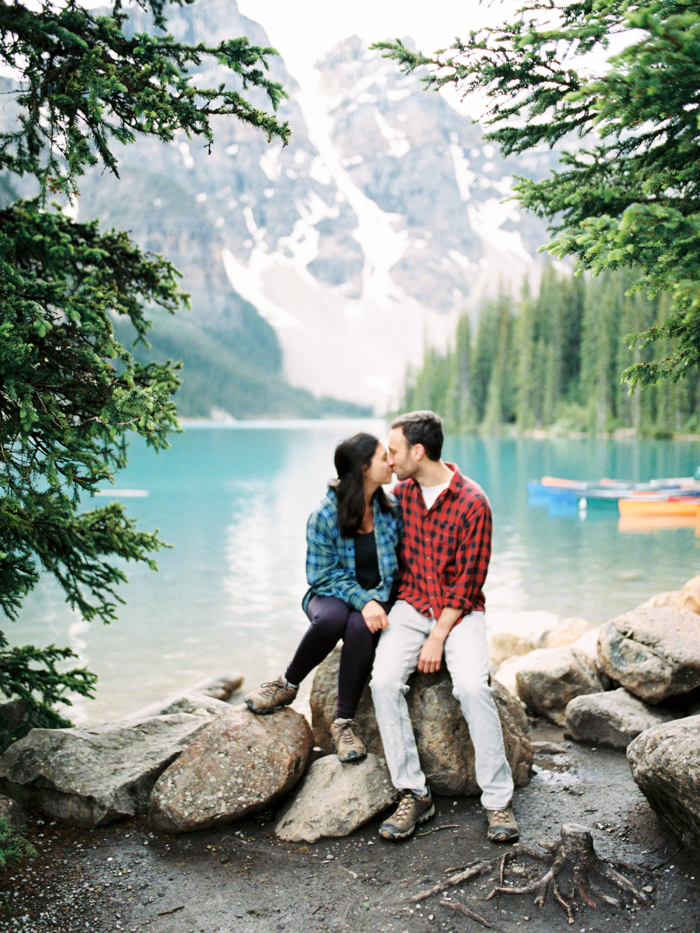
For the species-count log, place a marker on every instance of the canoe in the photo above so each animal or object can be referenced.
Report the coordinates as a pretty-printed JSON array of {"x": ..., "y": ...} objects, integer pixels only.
[
  {"x": 666, "y": 505},
  {"x": 606, "y": 493}
]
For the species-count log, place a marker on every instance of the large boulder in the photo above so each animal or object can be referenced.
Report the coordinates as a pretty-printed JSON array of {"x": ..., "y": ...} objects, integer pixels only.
[
  {"x": 92, "y": 776},
  {"x": 237, "y": 766},
  {"x": 586, "y": 644},
  {"x": 334, "y": 799},
  {"x": 445, "y": 749},
  {"x": 653, "y": 651},
  {"x": 548, "y": 679},
  {"x": 665, "y": 763},
  {"x": 613, "y": 718}
]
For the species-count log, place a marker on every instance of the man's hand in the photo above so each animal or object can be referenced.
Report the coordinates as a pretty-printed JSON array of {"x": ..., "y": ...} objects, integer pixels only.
[
  {"x": 375, "y": 617},
  {"x": 430, "y": 657}
]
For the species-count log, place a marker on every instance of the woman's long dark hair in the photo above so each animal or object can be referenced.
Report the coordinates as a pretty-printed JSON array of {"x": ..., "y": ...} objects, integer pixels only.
[{"x": 352, "y": 457}]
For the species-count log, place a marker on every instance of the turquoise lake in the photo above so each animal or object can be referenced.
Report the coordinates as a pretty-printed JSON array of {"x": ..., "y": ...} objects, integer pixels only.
[{"x": 233, "y": 500}]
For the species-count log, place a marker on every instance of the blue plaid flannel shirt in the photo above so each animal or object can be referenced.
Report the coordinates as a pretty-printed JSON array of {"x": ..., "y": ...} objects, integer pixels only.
[{"x": 330, "y": 557}]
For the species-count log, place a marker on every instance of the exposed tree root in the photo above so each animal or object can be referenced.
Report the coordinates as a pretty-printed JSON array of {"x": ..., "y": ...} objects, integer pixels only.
[
  {"x": 459, "y": 906},
  {"x": 573, "y": 852}
]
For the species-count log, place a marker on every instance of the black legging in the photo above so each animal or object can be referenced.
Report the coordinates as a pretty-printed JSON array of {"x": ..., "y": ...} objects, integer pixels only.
[{"x": 331, "y": 620}]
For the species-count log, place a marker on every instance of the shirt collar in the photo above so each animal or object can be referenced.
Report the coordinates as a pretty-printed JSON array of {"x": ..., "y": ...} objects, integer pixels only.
[{"x": 455, "y": 483}]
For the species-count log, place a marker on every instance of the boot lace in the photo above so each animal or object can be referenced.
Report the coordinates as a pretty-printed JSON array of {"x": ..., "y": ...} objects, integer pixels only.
[
  {"x": 271, "y": 688},
  {"x": 500, "y": 818},
  {"x": 405, "y": 801},
  {"x": 345, "y": 736}
]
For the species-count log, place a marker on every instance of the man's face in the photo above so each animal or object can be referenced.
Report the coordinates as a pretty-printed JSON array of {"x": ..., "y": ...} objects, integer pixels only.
[{"x": 401, "y": 455}]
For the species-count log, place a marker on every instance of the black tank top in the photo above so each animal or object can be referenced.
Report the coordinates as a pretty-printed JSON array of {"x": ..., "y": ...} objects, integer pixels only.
[{"x": 366, "y": 562}]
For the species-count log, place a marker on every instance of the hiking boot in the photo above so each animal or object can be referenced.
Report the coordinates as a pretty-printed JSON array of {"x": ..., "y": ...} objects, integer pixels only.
[
  {"x": 347, "y": 744},
  {"x": 412, "y": 810},
  {"x": 269, "y": 697},
  {"x": 502, "y": 825}
]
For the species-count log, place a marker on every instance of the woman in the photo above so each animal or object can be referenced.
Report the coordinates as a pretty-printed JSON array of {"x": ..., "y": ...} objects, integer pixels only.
[{"x": 351, "y": 567}]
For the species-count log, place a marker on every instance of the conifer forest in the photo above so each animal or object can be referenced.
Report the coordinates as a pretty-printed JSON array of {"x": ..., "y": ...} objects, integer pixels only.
[{"x": 552, "y": 359}]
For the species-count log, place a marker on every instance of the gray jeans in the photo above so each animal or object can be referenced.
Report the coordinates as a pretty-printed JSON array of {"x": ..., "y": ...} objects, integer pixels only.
[{"x": 466, "y": 657}]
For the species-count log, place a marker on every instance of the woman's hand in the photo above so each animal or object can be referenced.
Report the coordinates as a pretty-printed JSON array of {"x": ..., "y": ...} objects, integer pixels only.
[{"x": 375, "y": 617}]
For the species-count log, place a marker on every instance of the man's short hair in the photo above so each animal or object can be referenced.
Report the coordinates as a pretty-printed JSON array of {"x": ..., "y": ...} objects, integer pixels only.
[{"x": 422, "y": 427}]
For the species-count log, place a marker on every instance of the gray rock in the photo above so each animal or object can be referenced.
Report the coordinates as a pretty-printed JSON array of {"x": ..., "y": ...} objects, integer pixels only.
[
  {"x": 613, "y": 718},
  {"x": 334, "y": 799},
  {"x": 653, "y": 651},
  {"x": 197, "y": 704},
  {"x": 548, "y": 679},
  {"x": 665, "y": 763},
  {"x": 12, "y": 813},
  {"x": 446, "y": 752},
  {"x": 239, "y": 765},
  {"x": 218, "y": 688},
  {"x": 92, "y": 776}
]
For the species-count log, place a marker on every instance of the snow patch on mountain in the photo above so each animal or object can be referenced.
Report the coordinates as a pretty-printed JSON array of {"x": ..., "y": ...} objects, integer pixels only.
[{"x": 382, "y": 244}]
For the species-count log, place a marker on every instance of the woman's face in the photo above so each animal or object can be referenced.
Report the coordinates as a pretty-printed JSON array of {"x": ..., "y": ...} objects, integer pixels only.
[{"x": 379, "y": 472}]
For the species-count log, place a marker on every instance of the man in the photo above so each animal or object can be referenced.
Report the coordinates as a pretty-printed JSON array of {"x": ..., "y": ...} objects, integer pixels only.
[{"x": 443, "y": 559}]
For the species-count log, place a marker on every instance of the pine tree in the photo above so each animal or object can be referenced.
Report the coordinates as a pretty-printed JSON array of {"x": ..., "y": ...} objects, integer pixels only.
[
  {"x": 499, "y": 407},
  {"x": 629, "y": 195},
  {"x": 460, "y": 403},
  {"x": 601, "y": 335},
  {"x": 526, "y": 386},
  {"x": 70, "y": 394}
]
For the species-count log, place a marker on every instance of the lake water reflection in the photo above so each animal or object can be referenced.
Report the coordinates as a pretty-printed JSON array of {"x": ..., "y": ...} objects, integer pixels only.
[{"x": 233, "y": 501}]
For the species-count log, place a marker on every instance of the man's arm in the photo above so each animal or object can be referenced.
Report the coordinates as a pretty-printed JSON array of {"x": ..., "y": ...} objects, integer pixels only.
[
  {"x": 430, "y": 657},
  {"x": 471, "y": 557}
]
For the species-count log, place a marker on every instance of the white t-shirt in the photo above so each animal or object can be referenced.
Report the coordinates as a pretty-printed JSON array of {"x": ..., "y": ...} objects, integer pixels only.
[{"x": 430, "y": 493}]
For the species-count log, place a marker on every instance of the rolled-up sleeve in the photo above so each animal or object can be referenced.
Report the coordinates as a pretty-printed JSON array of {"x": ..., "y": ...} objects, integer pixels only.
[{"x": 463, "y": 589}]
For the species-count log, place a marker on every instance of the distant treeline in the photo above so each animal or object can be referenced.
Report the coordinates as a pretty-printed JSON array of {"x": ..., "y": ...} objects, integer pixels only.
[{"x": 554, "y": 361}]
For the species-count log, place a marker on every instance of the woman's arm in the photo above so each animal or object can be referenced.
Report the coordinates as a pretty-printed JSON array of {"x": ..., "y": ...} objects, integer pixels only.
[{"x": 330, "y": 559}]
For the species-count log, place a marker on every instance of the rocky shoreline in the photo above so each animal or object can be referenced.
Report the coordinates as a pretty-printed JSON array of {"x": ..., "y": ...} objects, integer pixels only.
[
  {"x": 209, "y": 775},
  {"x": 243, "y": 878}
]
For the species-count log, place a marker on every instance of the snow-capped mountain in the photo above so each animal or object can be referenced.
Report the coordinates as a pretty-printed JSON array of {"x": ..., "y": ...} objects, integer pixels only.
[{"x": 359, "y": 242}]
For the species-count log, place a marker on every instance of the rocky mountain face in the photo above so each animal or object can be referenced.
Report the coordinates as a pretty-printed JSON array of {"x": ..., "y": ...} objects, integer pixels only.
[{"x": 357, "y": 244}]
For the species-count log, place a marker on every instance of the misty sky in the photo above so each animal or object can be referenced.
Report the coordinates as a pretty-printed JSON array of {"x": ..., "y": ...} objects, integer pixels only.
[{"x": 303, "y": 32}]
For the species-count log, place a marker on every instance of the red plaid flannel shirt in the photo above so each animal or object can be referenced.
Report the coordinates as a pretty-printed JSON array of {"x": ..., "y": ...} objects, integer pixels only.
[{"x": 444, "y": 553}]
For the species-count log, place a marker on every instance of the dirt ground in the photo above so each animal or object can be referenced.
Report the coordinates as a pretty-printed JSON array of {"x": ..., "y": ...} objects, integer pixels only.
[{"x": 242, "y": 878}]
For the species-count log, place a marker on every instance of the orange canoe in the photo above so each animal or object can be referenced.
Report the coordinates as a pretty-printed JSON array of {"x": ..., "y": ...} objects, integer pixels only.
[{"x": 674, "y": 505}]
